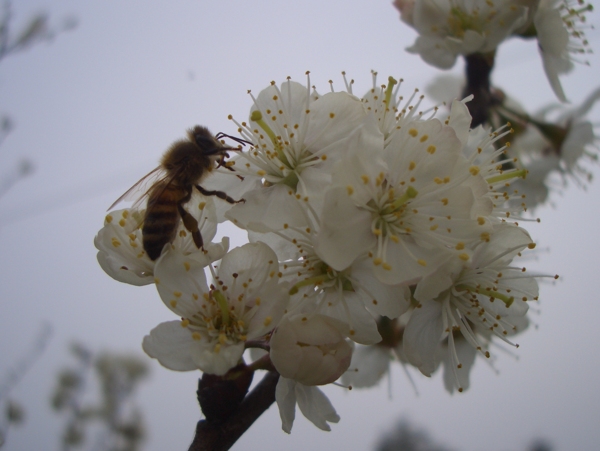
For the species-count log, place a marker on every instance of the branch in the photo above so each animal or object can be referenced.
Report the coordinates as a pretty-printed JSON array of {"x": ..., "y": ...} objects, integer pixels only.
[
  {"x": 220, "y": 436},
  {"x": 478, "y": 69}
]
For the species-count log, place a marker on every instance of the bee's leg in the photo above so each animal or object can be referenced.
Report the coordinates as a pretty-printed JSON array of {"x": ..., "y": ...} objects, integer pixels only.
[
  {"x": 229, "y": 168},
  {"x": 222, "y": 163},
  {"x": 220, "y": 195},
  {"x": 190, "y": 223}
]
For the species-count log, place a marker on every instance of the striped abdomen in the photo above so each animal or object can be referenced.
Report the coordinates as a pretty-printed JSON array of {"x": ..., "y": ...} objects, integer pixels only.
[{"x": 162, "y": 218}]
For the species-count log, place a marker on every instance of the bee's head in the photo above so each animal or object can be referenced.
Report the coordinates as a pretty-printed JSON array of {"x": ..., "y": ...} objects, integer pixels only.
[{"x": 205, "y": 140}]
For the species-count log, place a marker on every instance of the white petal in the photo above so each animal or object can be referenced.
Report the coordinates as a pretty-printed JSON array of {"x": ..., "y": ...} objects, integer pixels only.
[
  {"x": 216, "y": 362},
  {"x": 171, "y": 344},
  {"x": 285, "y": 396},
  {"x": 267, "y": 209},
  {"x": 422, "y": 336},
  {"x": 369, "y": 364},
  {"x": 316, "y": 407},
  {"x": 466, "y": 357},
  {"x": 345, "y": 230}
]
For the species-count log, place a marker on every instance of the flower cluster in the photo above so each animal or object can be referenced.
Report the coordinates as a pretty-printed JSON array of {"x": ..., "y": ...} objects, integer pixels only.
[
  {"x": 458, "y": 27},
  {"x": 373, "y": 227}
]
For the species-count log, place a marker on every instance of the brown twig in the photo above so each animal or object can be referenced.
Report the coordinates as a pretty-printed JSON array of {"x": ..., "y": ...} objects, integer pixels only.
[
  {"x": 221, "y": 435},
  {"x": 478, "y": 70}
]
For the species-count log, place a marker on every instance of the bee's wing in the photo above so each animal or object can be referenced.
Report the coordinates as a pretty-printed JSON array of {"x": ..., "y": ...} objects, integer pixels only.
[{"x": 140, "y": 190}]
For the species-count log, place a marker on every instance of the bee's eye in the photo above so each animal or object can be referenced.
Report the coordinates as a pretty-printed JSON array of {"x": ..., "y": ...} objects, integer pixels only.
[{"x": 203, "y": 140}]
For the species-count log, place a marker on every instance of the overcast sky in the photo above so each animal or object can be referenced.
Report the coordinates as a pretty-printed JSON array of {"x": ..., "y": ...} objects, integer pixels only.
[{"x": 95, "y": 109}]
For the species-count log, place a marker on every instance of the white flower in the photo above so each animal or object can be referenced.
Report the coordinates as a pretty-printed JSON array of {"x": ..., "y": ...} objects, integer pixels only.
[
  {"x": 313, "y": 404},
  {"x": 245, "y": 303},
  {"x": 559, "y": 26},
  {"x": 484, "y": 293},
  {"x": 120, "y": 251},
  {"x": 460, "y": 27},
  {"x": 410, "y": 206},
  {"x": 296, "y": 135},
  {"x": 310, "y": 349},
  {"x": 120, "y": 242}
]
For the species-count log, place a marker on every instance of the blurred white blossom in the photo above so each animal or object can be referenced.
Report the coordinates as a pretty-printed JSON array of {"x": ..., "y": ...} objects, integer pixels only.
[
  {"x": 451, "y": 28},
  {"x": 560, "y": 28}
]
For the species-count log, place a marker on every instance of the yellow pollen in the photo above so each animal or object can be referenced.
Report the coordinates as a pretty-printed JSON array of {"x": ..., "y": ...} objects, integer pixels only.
[
  {"x": 445, "y": 201},
  {"x": 185, "y": 322},
  {"x": 115, "y": 242},
  {"x": 485, "y": 236},
  {"x": 173, "y": 303},
  {"x": 331, "y": 115},
  {"x": 350, "y": 190},
  {"x": 365, "y": 179},
  {"x": 464, "y": 257},
  {"x": 187, "y": 266},
  {"x": 433, "y": 228},
  {"x": 125, "y": 214},
  {"x": 108, "y": 219},
  {"x": 422, "y": 262},
  {"x": 438, "y": 180},
  {"x": 195, "y": 296},
  {"x": 377, "y": 232},
  {"x": 413, "y": 132},
  {"x": 386, "y": 266},
  {"x": 412, "y": 165},
  {"x": 323, "y": 157},
  {"x": 201, "y": 205},
  {"x": 196, "y": 336},
  {"x": 460, "y": 246},
  {"x": 424, "y": 138},
  {"x": 177, "y": 294},
  {"x": 222, "y": 339},
  {"x": 267, "y": 320},
  {"x": 474, "y": 170},
  {"x": 377, "y": 261},
  {"x": 261, "y": 173},
  {"x": 257, "y": 301},
  {"x": 122, "y": 223},
  {"x": 431, "y": 149},
  {"x": 394, "y": 238},
  {"x": 480, "y": 220},
  {"x": 531, "y": 246},
  {"x": 156, "y": 280}
]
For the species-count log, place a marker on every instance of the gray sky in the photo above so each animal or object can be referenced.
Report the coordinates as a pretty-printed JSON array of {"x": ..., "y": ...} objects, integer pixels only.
[{"x": 95, "y": 109}]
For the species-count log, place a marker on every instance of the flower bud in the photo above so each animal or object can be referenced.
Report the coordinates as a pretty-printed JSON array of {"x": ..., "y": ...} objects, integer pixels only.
[{"x": 311, "y": 349}]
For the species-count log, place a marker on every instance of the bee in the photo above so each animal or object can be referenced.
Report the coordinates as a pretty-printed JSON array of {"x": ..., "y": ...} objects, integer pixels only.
[{"x": 183, "y": 166}]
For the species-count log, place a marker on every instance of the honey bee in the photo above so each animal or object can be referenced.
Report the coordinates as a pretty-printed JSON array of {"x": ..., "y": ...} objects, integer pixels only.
[{"x": 183, "y": 166}]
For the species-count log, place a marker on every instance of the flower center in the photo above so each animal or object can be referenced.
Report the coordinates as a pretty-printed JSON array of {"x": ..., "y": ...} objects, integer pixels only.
[
  {"x": 460, "y": 21},
  {"x": 216, "y": 321}
]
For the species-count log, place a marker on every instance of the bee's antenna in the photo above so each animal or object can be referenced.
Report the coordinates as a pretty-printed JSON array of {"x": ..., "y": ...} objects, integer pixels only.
[{"x": 241, "y": 141}]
